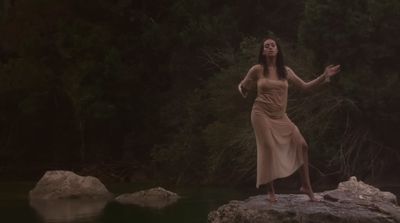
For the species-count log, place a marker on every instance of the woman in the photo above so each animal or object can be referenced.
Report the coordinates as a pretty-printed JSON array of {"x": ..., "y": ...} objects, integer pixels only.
[{"x": 281, "y": 149}]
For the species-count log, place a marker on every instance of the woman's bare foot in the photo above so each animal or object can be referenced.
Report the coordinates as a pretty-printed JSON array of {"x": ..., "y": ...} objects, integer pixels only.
[
  {"x": 309, "y": 193},
  {"x": 271, "y": 197}
]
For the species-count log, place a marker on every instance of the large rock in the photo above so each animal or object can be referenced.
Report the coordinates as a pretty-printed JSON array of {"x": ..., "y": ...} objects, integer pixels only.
[
  {"x": 153, "y": 198},
  {"x": 352, "y": 201},
  {"x": 66, "y": 184}
]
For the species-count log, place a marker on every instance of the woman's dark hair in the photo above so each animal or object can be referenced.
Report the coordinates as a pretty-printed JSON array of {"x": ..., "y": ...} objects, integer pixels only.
[{"x": 280, "y": 65}]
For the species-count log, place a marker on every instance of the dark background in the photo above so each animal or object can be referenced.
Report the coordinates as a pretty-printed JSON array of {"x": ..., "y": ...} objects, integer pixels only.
[{"x": 147, "y": 90}]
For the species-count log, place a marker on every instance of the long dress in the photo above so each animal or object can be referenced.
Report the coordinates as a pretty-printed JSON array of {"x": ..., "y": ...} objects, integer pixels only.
[{"x": 279, "y": 141}]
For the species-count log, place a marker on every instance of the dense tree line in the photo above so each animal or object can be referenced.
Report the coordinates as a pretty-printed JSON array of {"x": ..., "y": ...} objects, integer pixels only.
[{"x": 147, "y": 89}]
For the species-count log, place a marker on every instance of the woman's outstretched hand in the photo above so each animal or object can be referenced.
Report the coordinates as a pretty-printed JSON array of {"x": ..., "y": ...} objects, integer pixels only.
[
  {"x": 244, "y": 94},
  {"x": 331, "y": 70}
]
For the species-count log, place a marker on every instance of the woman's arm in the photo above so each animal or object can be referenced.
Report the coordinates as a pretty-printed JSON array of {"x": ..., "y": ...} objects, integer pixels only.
[
  {"x": 250, "y": 80},
  {"x": 323, "y": 78}
]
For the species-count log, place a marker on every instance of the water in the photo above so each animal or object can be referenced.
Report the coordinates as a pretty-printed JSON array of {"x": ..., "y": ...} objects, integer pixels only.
[{"x": 193, "y": 207}]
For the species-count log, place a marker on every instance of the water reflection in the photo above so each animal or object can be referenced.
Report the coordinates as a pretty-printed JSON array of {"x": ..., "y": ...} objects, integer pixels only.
[{"x": 71, "y": 210}]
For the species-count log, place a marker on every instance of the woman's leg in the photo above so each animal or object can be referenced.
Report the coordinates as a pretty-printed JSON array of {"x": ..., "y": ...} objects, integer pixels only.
[
  {"x": 271, "y": 192},
  {"x": 305, "y": 175}
]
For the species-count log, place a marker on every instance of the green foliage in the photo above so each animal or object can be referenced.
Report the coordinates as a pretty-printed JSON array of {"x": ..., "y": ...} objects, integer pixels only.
[
  {"x": 211, "y": 139},
  {"x": 364, "y": 39}
]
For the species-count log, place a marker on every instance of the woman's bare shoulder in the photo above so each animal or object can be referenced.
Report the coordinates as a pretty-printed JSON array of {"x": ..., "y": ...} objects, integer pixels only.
[
  {"x": 257, "y": 67},
  {"x": 256, "y": 70},
  {"x": 289, "y": 72}
]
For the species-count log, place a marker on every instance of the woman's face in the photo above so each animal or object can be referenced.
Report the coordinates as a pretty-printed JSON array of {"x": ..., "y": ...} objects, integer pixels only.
[{"x": 270, "y": 48}]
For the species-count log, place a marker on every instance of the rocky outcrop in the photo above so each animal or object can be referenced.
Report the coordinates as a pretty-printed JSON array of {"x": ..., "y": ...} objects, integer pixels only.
[
  {"x": 66, "y": 184},
  {"x": 352, "y": 201},
  {"x": 153, "y": 198}
]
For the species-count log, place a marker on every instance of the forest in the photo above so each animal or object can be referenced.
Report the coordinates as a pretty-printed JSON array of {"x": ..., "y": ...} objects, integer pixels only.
[{"x": 136, "y": 90}]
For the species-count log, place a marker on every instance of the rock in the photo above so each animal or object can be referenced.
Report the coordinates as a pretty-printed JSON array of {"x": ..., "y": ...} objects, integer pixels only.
[
  {"x": 352, "y": 201},
  {"x": 66, "y": 184},
  {"x": 358, "y": 190},
  {"x": 153, "y": 198}
]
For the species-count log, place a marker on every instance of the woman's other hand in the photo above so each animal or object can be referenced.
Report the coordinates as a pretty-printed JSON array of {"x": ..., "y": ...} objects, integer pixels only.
[
  {"x": 242, "y": 92},
  {"x": 331, "y": 70}
]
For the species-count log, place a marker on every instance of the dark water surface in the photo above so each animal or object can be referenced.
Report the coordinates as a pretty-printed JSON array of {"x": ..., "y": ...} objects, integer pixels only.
[{"x": 193, "y": 207}]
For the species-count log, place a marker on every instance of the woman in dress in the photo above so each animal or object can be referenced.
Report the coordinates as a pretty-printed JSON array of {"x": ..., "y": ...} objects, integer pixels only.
[{"x": 281, "y": 149}]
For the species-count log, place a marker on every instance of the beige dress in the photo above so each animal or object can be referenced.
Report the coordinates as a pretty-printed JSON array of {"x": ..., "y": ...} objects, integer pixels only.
[{"x": 279, "y": 141}]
